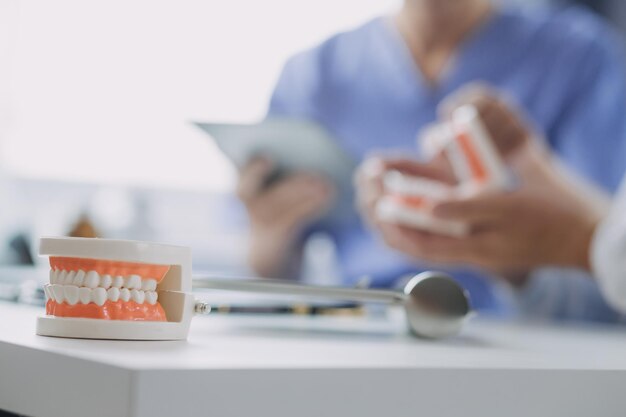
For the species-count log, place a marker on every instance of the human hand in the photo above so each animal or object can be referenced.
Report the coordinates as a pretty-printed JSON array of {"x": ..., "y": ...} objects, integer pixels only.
[
  {"x": 510, "y": 233},
  {"x": 548, "y": 220},
  {"x": 279, "y": 213}
]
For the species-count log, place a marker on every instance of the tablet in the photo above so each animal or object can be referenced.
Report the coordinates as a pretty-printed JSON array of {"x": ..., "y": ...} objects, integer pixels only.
[{"x": 293, "y": 145}]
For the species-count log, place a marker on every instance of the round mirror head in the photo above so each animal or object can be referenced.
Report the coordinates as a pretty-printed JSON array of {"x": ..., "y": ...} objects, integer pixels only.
[{"x": 436, "y": 305}]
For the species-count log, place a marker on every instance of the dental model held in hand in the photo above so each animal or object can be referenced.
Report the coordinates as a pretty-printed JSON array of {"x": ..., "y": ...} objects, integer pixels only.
[
  {"x": 128, "y": 290},
  {"x": 476, "y": 164}
]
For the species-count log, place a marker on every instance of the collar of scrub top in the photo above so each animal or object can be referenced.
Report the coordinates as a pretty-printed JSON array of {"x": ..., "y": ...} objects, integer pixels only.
[{"x": 465, "y": 66}]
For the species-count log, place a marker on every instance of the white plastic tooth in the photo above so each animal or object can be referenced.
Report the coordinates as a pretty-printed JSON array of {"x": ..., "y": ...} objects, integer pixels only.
[
  {"x": 132, "y": 282},
  {"x": 149, "y": 284},
  {"x": 118, "y": 281},
  {"x": 59, "y": 278},
  {"x": 84, "y": 295},
  {"x": 138, "y": 296},
  {"x": 79, "y": 278},
  {"x": 99, "y": 296},
  {"x": 106, "y": 281},
  {"x": 92, "y": 279},
  {"x": 151, "y": 297},
  {"x": 57, "y": 291},
  {"x": 69, "y": 278},
  {"x": 53, "y": 276},
  {"x": 113, "y": 294},
  {"x": 71, "y": 294},
  {"x": 46, "y": 290},
  {"x": 124, "y": 294}
]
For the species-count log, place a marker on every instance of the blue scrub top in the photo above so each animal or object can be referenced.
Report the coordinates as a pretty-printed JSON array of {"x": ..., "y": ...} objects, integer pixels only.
[{"x": 562, "y": 67}]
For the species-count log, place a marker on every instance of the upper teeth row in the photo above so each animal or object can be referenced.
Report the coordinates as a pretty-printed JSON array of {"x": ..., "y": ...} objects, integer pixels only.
[{"x": 92, "y": 279}]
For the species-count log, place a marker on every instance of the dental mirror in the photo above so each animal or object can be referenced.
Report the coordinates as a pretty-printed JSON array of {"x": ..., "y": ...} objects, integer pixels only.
[{"x": 436, "y": 306}]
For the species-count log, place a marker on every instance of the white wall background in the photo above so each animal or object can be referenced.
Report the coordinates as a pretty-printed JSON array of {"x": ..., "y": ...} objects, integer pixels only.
[
  {"x": 9, "y": 217},
  {"x": 102, "y": 90}
]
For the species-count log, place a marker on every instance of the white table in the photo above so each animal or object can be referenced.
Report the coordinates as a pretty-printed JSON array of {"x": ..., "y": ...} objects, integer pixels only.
[{"x": 298, "y": 366}]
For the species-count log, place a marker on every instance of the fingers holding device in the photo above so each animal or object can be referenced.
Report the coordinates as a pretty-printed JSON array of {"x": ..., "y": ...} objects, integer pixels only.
[
  {"x": 292, "y": 173},
  {"x": 282, "y": 203},
  {"x": 279, "y": 154},
  {"x": 278, "y": 210}
]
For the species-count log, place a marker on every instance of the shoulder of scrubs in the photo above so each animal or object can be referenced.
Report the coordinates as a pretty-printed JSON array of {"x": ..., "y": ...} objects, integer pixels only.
[
  {"x": 589, "y": 130},
  {"x": 309, "y": 77},
  {"x": 608, "y": 253}
]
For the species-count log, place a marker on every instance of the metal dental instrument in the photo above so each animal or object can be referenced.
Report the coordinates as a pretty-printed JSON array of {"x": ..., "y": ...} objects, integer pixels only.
[{"x": 435, "y": 305}]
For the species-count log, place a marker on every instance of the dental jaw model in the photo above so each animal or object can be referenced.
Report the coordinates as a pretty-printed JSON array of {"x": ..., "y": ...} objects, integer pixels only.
[
  {"x": 410, "y": 200},
  {"x": 477, "y": 166},
  {"x": 471, "y": 152},
  {"x": 115, "y": 289}
]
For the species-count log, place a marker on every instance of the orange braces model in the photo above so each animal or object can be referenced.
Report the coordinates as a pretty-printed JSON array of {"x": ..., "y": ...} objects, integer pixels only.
[{"x": 114, "y": 289}]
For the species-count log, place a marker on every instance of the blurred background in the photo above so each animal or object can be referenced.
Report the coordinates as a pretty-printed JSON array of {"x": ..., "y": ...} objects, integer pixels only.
[{"x": 96, "y": 100}]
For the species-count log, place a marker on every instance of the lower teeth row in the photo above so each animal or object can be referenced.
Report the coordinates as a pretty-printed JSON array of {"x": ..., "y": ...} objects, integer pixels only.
[{"x": 72, "y": 295}]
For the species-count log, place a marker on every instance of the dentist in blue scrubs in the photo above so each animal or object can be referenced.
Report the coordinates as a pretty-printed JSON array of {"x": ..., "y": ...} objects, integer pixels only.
[{"x": 375, "y": 87}]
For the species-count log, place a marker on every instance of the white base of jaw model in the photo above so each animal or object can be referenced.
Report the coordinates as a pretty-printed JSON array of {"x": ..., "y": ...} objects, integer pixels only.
[{"x": 117, "y": 289}]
